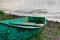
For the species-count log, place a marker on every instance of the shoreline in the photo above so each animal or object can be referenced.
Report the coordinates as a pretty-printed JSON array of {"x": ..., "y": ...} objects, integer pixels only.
[
  {"x": 52, "y": 23},
  {"x": 48, "y": 22},
  {"x": 50, "y": 17}
]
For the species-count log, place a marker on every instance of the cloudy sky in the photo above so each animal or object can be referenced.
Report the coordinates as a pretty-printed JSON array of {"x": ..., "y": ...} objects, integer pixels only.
[{"x": 51, "y": 5}]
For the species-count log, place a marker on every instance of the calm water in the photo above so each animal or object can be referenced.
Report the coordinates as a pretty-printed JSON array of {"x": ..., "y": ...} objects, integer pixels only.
[{"x": 52, "y": 6}]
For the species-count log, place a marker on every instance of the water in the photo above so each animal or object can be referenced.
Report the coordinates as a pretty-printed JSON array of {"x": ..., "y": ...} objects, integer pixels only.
[{"x": 52, "y": 6}]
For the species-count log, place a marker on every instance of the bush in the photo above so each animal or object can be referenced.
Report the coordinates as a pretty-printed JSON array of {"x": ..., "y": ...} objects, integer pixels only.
[{"x": 1, "y": 12}]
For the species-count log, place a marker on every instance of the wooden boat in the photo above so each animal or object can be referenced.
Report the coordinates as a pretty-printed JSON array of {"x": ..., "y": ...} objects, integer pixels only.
[{"x": 21, "y": 28}]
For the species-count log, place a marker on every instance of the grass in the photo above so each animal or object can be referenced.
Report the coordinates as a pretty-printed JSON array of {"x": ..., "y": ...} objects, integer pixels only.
[
  {"x": 8, "y": 17},
  {"x": 49, "y": 33}
]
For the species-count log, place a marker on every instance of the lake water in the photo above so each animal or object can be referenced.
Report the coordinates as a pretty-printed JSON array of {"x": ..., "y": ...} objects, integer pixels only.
[{"x": 52, "y": 6}]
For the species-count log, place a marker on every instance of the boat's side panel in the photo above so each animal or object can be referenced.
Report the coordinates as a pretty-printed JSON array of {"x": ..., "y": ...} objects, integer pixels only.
[
  {"x": 3, "y": 31},
  {"x": 39, "y": 19},
  {"x": 13, "y": 33}
]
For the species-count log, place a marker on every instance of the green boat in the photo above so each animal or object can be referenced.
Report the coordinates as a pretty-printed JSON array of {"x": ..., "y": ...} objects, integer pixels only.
[{"x": 22, "y": 28}]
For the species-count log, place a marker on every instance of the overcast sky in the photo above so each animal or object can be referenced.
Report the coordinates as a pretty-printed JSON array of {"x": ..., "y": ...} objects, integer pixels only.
[{"x": 51, "y": 5}]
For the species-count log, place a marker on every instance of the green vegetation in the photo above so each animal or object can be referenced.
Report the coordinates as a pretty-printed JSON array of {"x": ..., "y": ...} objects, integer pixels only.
[
  {"x": 1, "y": 12},
  {"x": 7, "y": 17},
  {"x": 49, "y": 33},
  {"x": 4, "y": 16}
]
